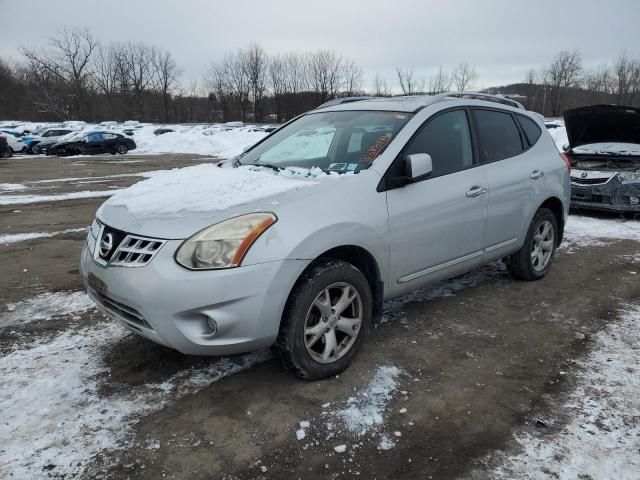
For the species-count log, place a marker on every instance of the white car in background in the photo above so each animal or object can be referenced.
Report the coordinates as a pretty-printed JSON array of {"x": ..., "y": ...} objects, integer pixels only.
[
  {"x": 49, "y": 136},
  {"x": 13, "y": 139}
]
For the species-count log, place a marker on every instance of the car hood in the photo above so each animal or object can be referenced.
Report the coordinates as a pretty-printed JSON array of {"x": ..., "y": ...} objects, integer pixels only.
[
  {"x": 602, "y": 124},
  {"x": 181, "y": 202}
]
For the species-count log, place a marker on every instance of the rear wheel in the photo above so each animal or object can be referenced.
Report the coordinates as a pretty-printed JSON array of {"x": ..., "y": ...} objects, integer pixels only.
[
  {"x": 534, "y": 259},
  {"x": 325, "y": 321},
  {"x": 122, "y": 149}
]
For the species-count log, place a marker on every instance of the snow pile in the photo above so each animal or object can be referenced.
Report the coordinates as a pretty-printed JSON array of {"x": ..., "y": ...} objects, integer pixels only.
[
  {"x": 54, "y": 421},
  {"x": 21, "y": 237},
  {"x": 601, "y": 440},
  {"x": 11, "y": 187},
  {"x": 589, "y": 231},
  {"x": 46, "y": 306},
  {"x": 219, "y": 142},
  {"x": 203, "y": 188},
  {"x": 364, "y": 412}
]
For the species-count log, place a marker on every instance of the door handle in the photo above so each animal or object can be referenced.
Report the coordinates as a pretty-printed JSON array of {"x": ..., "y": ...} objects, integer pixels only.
[
  {"x": 476, "y": 191},
  {"x": 536, "y": 174}
]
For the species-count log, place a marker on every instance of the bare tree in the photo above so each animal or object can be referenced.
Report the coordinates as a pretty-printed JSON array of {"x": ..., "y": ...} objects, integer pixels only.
[
  {"x": 409, "y": 84},
  {"x": 563, "y": 72},
  {"x": 166, "y": 72},
  {"x": 255, "y": 64},
  {"x": 440, "y": 82},
  {"x": 380, "y": 87},
  {"x": 353, "y": 75},
  {"x": 325, "y": 74},
  {"x": 67, "y": 58},
  {"x": 463, "y": 76},
  {"x": 626, "y": 79}
]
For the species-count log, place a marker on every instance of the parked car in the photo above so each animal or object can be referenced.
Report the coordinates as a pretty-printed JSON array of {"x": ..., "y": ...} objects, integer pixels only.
[
  {"x": 162, "y": 131},
  {"x": 5, "y": 149},
  {"x": 14, "y": 141},
  {"x": 92, "y": 143},
  {"x": 414, "y": 190},
  {"x": 604, "y": 149},
  {"x": 33, "y": 142}
]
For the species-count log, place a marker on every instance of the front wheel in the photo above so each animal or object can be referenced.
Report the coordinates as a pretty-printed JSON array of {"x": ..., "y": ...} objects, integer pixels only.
[
  {"x": 534, "y": 259},
  {"x": 35, "y": 149},
  {"x": 122, "y": 149},
  {"x": 325, "y": 321}
]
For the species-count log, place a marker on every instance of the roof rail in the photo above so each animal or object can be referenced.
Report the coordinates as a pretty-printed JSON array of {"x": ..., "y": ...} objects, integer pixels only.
[
  {"x": 341, "y": 100},
  {"x": 486, "y": 97}
]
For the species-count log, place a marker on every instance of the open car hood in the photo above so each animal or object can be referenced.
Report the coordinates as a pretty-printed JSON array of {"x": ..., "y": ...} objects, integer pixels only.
[{"x": 602, "y": 124}]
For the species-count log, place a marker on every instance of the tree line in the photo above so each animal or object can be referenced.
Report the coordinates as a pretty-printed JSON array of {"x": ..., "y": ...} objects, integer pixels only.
[{"x": 75, "y": 76}]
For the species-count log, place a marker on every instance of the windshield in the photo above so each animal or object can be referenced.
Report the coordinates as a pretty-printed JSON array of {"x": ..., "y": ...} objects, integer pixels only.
[{"x": 341, "y": 142}]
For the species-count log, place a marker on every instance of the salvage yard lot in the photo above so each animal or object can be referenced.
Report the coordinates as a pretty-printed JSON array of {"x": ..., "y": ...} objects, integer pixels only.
[{"x": 477, "y": 377}]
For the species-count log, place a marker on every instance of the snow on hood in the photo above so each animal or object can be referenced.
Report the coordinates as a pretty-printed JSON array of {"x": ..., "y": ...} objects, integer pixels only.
[
  {"x": 184, "y": 195},
  {"x": 602, "y": 124}
]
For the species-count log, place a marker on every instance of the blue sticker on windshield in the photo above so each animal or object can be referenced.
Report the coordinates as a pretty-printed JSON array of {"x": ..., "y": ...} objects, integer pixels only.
[{"x": 351, "y": 167}]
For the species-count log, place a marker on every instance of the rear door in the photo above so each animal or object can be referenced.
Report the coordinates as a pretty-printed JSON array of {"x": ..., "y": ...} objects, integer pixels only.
[
  {"x": 437, "y": 225},
  {"x": 510, "y": 168}
]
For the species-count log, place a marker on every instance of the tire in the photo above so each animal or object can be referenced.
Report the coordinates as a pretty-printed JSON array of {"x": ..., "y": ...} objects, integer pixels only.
[
  {"x": 122, "y": 149},
  {"x": 525, "y": 264},
  {"x": 35, "y": 149},
  {"x": 310, "y": 307}
]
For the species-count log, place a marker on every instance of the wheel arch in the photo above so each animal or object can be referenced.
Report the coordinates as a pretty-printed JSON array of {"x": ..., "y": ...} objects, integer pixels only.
[
  {"x": 555, "y": 205},
  {"x": 364, "y": 261}
]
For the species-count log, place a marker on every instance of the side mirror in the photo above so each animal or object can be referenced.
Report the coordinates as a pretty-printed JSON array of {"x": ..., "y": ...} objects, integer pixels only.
[{"x": 419, "y": 166}]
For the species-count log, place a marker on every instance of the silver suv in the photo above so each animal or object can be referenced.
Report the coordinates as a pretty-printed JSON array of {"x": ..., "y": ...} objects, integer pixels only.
[{"x": 296, "y": 243}]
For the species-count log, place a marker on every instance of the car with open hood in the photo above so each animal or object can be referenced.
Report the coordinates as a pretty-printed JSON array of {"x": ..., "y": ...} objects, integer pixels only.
[
  {"x": 296, "y": 243},
  {"x": 604, "y": 150},
  {"x": 91, "y": 143}
]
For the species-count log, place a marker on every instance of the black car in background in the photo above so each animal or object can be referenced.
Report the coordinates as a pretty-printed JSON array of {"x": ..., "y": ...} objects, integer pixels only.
[
  {"x": 5, "y": 149},
  {"x": 604, "y": 150},
  {"x": 92, "y": 143}
]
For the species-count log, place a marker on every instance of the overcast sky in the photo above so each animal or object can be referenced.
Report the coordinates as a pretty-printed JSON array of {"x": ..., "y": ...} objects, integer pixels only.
[{"x": 503, "y": 38}]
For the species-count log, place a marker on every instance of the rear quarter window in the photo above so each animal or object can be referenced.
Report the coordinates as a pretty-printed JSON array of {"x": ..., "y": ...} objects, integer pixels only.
[
  {"x": 498, "y": 135},
  {"x": 531, "y": 129}
]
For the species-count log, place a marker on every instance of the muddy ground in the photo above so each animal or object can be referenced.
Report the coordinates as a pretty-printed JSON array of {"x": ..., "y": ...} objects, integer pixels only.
[{"x": 477, "y": 363}]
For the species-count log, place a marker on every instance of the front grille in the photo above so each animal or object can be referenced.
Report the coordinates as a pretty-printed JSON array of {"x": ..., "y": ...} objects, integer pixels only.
[
  {"x": 120, "y": 249},
  {"x": 135, "y": 251},
  {"x": 590, "y": 181}
]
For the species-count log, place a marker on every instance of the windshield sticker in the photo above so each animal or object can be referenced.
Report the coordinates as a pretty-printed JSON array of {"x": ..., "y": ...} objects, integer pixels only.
[
  {"x": 375, "y": 149},
  {"x": 351, "y": 167},
  {"x": 337, "y": 167}
]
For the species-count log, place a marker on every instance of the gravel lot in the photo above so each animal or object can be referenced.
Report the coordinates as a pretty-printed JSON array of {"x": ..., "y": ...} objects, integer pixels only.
[{"x": 479, "y": 377}]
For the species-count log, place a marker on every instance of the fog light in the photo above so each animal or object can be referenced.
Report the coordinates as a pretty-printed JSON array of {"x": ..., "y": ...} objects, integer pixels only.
[
  {"x": 634, "y": 200},
  {"x": 213, "y": 326}
]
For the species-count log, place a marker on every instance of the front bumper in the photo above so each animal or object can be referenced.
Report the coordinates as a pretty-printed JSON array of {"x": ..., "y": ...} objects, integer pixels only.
[
  {"x": 612, "y": 196},
  {"x": 173, "y": 306}
]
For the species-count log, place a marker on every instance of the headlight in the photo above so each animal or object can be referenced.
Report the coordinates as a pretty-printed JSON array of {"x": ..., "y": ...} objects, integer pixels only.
[
  {"x": 224, "y": 244},
  {"x": 629, "y": 176}
]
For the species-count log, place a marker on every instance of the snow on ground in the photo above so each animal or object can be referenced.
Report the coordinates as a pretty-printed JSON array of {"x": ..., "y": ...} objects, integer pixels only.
[
  {"x": 585, "y": 231},
  {"x": 28, "y": 199},
  {"x": 601, "y": 440},
  {"x": 45, "y": 306},
  {"x": 21, "y": 237},
  {"x": 11, "y": 187},
  {"x": 54, "y": 421},
  {"x": 203, "y": 188},
  {"x": 364, "y": 412}
]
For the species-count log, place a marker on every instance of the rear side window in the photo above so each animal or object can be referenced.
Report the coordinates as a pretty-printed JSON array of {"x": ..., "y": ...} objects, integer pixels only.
[
  {"x": 498, "y": 135},
  {"x": 531, "y": 129},
  {"x": 446, "y": 138}
]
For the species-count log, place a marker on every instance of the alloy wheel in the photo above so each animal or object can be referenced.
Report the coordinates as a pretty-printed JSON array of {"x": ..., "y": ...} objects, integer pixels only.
[
  {"x": 333, "y": 322},
  {"x": 542, "y": 246}
]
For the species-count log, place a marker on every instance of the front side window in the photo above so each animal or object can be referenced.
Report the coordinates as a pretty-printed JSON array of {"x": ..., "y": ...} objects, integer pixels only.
[
  {"x": 346, "y": 141},
  {"x": 498, "y": 135},
  {"x": 447, "y": 139}
]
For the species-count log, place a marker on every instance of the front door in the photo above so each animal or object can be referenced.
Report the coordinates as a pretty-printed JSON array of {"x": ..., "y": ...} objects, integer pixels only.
[{"x": 437, "y": 226}]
